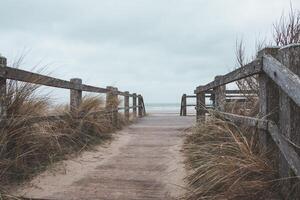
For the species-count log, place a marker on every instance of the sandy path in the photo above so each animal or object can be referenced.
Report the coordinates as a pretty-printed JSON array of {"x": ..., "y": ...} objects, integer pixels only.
[{"x": 144, "y": 162}]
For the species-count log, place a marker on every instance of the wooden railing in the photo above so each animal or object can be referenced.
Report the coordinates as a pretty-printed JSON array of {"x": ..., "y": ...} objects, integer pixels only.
[
  {"x": 231, "y": 96},
  {"x": 277, "y": 70},
  {"x": 76, "y": 88}
]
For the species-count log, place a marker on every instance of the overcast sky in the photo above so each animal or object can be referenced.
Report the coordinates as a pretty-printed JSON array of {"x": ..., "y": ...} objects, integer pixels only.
[{"x": 160, "y": 48}]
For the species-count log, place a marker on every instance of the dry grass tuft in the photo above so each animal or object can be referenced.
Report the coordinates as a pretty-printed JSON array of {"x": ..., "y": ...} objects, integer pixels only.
[
  {"x": 27, "y": 148},
  {"x": 225, "y": 163}
]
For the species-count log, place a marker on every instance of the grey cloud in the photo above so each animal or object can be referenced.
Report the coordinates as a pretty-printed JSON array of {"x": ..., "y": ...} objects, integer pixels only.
[{"x": 161, "y": 47}]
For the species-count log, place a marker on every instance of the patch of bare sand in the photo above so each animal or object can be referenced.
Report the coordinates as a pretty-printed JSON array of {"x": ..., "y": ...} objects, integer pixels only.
[
  {"x": 62, "y": 174},
  {"x": 143, "y": 162}
]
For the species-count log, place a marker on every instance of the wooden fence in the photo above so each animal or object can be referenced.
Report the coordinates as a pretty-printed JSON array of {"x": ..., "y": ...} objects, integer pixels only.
[
  {"x": 231, "y": 96},
  {"x": 76, "y": 88},
  {"x": 278, "y": 71}
]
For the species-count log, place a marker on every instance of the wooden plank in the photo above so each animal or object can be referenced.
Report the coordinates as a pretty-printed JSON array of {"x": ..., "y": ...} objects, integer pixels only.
[
  {"x": 126, "y": 105},
  {"x": 121, "y": 93},
  {"x": 134, "y": 105},
  {"x": 200, "y": 107},
  {"x": 288, "y": 152},
  {"x": 289, "y": 113},
  {"x": 3, "y": 88},
  {"x": 288, "y": 81},
  {"x": 88, "y": 88},
  {"x": 250, "y": 69},
  {"x": 75, "y": 97},
  {"x": 220, "y": 96},
  {"x": 248, "y": 121},
  {"x": 30, "y": 77},
  {"x": 140, "y": 106},
  {"x": 144, "y": 108},
  {"x": 234, "y": 92},
  {"x": 183, "y": 105},
  {"x": 190, "y": 96}
]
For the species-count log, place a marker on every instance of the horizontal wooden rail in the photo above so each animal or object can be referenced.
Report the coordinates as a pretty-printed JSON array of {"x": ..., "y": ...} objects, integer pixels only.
[
  {"x": 35, "y": 78},
  {"x": 245, "y": 92},
  {"x": 250, "y": 69},
  {"x": 288, "y": 81},
  {"x": 191, "y": 96},
  {"x": 190, "y": 104}
]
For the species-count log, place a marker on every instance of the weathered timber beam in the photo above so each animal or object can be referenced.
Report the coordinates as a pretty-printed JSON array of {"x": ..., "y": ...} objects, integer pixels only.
[
  {"x": 285, "y": 147},
  {"x": 248, "y": 121},
  {"x": 30, "y": 77},
  {"x": 250, "y": 69},
  {"x": 88, "y": 88},
  {"x": 283, "y": 77},
  {"x": 234, "y": 92}
]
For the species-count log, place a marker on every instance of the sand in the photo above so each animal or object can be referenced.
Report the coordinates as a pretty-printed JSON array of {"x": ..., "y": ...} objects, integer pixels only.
[{"x": 143, "y": 162}]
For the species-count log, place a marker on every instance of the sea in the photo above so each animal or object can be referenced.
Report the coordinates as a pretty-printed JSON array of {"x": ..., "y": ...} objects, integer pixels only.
[{"x": 167, "y": 108}]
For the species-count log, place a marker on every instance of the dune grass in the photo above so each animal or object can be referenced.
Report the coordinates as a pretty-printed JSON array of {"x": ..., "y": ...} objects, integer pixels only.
[
  {"x": 27, "y": 148},
  {"x": 225, "y": 163}
]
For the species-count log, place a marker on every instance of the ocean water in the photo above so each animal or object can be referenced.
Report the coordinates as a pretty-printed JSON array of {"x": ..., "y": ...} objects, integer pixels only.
[{"x": 168, "y": 108}]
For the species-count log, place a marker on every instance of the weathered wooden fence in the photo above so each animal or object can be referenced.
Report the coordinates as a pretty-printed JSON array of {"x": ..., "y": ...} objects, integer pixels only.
[
  {"x": 76, "y": 88},
  {"x": 278, "y": 71},
  {"x": 231, "y": 96}
]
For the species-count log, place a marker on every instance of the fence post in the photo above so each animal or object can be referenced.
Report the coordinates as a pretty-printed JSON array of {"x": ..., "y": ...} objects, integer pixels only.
[
  {"x": 112, "y": 105},
  {"x": 213, "y": 99},
  {"x": 144, "y": 108},
  {"x": 200, "y": 106},
  {"x": 126, "y": 105},
  {"x": 184, "y": 105},
  {"x": 75, "y": 97},
  {"x": 115, "y": 107},
  {"x": 3, "y": 88},
  {"x": 140, "y": 106},
  {"x": 289, "y": 112},
  {"x": 134, "y": 105},
  {"x": 268, "y": 100},
  {"x": 220, "y": 95}
]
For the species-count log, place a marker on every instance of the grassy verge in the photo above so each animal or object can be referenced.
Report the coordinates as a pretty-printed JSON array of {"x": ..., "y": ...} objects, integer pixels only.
[
  {"x": 28, "y": 148},
  {"x": 225, "y": 163}
]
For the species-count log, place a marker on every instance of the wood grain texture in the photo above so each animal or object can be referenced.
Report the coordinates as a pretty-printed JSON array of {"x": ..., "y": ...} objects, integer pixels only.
[
  {"x": 288, "y": 81},
  {"x": 126, "y": 106},
  {"x": 3, "y": 86},
  {"x": 250, "y": 69}
]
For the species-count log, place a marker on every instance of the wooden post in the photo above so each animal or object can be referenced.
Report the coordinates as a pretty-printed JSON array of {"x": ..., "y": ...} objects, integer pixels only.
[
  {"x": 115, "y": 108},
  {"x": 112, "y": 105},
  {"x": 140, "y": 106},
  {"x": 144, "y": 108},
  {"x": 220, "y": 96},
  {"x": 184, "y": 105},
  {"x": 200, "y": 106},
  {"x": 3, "y": 88},
  {"x": 75, "y": 97},
  {"x": 126, "y": 105},
  {"x": 213, "y": 99},
  {"x": 268, "y": 100},
  {"x": 289, "y": 113},
  {"x": 134, "y": 105}
]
